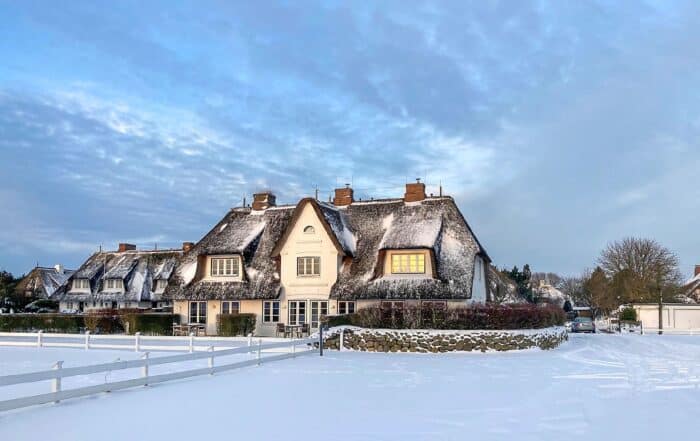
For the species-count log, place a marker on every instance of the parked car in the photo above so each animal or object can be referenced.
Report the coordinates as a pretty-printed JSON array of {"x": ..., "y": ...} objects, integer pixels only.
[{"x": 583, "y": 324}]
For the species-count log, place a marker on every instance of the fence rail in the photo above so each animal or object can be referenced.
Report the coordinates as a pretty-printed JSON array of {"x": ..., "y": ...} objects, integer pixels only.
[{"x": 56, "y": 374}]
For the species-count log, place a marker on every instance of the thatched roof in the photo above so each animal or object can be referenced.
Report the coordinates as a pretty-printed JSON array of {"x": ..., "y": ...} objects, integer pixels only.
[{"x": 43, "y": 282}]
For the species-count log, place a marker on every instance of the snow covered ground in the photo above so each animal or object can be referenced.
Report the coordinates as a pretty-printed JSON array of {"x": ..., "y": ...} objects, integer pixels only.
[{"x": 593, "y": 387}]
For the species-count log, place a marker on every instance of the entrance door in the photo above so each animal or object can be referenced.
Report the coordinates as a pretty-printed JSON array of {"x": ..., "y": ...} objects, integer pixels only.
[
  {"x": 297, "y": 312},
  {"x": 318, "y": 309}
]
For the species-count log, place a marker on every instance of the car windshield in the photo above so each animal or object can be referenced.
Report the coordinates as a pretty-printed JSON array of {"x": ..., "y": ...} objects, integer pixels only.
[{"x": 583, "y": 319}]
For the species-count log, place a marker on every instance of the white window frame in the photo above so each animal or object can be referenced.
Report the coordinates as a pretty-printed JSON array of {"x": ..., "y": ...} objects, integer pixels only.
[
  {"x": 309, "y": 266},
  {"x": 317, "y": 309},
  {"x": 269, "y": 315},
  {"x": 84, "y": 285},
  {"x": 227, "y": 307},
  {"x": 225, "y": 266},
  {"x": 344, "y": 307},
  {"x": 200, "y": 318},
  {"x": 404, "y": 264},
  {"x": 309, "y": 229},
  {"x": 113, "y": 284},
  {"x": 297, "y": 312},
  {"x": 161, "y": 284}
]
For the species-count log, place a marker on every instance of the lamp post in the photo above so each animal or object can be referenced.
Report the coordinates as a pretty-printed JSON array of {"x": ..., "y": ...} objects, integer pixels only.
[{"x": 661, "y": 308}]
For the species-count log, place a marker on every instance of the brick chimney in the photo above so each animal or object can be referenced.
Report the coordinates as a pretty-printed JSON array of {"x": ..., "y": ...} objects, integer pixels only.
[
  {"x": 343, "y": 196},
  {"x": 414, "y": 192},
  {"x": 697, "y": 269},
  {"x": 262, "y": 201},
  {"x": 126, "y": 247},
  {"x": 187, "y": 246}
]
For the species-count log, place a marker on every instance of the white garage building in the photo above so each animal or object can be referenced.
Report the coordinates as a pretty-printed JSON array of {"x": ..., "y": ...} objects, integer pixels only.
[{"x": 678, "y": 317}]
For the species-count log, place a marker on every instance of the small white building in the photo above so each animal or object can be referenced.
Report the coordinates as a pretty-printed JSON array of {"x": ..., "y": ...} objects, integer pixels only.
[{"x": 676, "y": 316}]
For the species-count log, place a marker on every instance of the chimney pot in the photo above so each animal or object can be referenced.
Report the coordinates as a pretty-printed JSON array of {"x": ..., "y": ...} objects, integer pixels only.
[
  {"x": 59, "y": 268},
  {"x": 697, "y": 269},
  {"x": 414, "y": 192},
  {"x": 344, "y": 196},
  {"x": 126, "y": 247},
  {"x": 187, "y": 246},
  {"x": 263, "y": 201}
]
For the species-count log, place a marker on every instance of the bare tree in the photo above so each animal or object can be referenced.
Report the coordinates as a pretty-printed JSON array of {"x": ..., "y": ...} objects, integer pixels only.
[
  {"x": 573, "y": 288},
  {"x": 639, "y": 269}
]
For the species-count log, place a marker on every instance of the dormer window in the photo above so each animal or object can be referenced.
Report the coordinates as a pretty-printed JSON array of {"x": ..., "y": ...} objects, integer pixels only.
[
  {"x": 309, "y": 230},
  {"x": 408, "y": 263},
  {"x": 114, "y": 285},
  {"x": 161, "y": 284},
  {"x": 81, "y": 284},
  {"x": 225, "y": 267},
  {"x": 308, "y": 266}
]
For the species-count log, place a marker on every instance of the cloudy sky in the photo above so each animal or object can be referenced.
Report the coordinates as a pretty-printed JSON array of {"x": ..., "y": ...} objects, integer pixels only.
[{"x": 556, "y": 126}]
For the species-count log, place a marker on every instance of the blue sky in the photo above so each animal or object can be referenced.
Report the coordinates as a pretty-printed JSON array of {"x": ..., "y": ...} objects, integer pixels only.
[{"x": 556, "y": 126}]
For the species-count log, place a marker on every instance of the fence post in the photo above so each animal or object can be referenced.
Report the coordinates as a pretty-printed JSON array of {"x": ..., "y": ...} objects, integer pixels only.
[
  {"x": 342, "y": 340},
  {"x": 56, "y": 383},
  {"x": 87, "y": 340},
  {"x": 250, "y": 340},
  {"x": 259, "y": 349},
  {"x": 294, "y": 349},
  {"x": 211, "y": 360},
  {"x": 641, "y": 325},
  {"x": 320, "y": 340},
  {"x": 144, "y": 369},
  {"x": 137, "y": 342},
  {"x": 39, "y": 342},
  {"x": 191, "y": 342}
]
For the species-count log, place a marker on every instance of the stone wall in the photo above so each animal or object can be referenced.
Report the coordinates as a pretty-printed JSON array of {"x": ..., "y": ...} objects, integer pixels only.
[{"x": 383, "y": 340}]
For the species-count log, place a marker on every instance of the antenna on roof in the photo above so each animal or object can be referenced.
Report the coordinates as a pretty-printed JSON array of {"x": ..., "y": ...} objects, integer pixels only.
[
  {"x": 100, "y": 248},
  {"x": 243, "y": 201},
  {"x": 440, "y": 187},
  {"x": 316, "y": 193}
]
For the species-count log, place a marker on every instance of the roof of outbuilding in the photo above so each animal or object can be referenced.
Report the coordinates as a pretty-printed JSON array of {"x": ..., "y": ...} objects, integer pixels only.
[{"x": 137, "y": 268}]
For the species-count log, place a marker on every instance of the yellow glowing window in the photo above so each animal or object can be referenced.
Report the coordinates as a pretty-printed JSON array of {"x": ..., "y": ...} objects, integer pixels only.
[{"x": 408, "y": 263}]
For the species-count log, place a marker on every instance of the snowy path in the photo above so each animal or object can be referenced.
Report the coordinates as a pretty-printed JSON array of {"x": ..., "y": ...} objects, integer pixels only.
[{"x": 600, "y": 386}]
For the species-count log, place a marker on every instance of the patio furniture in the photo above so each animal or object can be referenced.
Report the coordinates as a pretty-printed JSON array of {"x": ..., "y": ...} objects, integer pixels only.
[
  {"x": 281, "y": 329},
  {"x": 291, "y": 330},
  {"x": 303, "y": 329}
]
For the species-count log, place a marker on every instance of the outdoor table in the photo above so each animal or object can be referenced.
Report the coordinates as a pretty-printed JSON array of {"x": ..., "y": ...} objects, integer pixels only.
[{"x": 291, "y": 329}]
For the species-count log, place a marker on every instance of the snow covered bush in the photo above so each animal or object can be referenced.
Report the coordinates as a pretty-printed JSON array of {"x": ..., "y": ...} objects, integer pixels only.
[
  {"x": 230, "y": 325},
  {"x": 473, "y": 317}
]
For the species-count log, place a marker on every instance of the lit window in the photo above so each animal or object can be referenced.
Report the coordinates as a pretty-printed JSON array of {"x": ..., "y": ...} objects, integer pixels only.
[
  {"x": 309, "y": 230},
  {"x": 230, "y": 307},
  {"x": 308, "y": 266},
  {"x": 271, "y": 312},
  {"x": 198, "y": 312},
  {"x": 346, "y": 307},
  {"x": 408, "y": 263},
  {"x": 225, "y": 267}
]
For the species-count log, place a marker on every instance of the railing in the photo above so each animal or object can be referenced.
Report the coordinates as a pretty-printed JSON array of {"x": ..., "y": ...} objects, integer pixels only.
[
  {"x": 135, "y": 342},
  {"x": 57, "y": 373}
]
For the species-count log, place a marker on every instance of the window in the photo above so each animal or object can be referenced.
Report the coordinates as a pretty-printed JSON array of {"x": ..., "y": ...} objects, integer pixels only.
[
  {"x": 392, "y": 312},
  {"x": 161, "y": 284},
  {"x": 225, "y": 267},
  {"x": 346, "y": 307},
  {"x": 309, "y": 229},
  {"x": 271, "y": 312},
  {"x": 113, "y": 284},
  {"x": 230, "y": 307},
  {"x": 198, "y": 312},
  {"x": 308, "y": 266},
  {"x": 81, "y": 284},
  {"x": 297, "y": 312},
  {"x": 408, "y": 263},
  {"x": 319, "y": 309}
]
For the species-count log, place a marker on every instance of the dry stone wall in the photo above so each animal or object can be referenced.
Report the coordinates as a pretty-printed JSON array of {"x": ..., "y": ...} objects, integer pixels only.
[{"x": 428, "y": 341}]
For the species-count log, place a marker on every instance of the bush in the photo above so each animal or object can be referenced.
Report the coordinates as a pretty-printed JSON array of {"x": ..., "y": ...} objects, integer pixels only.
[
  {"x": 63, "y": 323},
  {"x": 229, "y": 325},
  {"x": 430, "y": 316},
  {"x": 628, "y": 315},
  {"x": 337, "y": 320},
  {"x": 103, "y": 321},
  {"x": 134, "y": 320}
]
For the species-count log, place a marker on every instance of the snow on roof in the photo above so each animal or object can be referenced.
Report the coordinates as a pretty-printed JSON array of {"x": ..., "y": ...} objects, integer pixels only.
[
  {"x": 137, "y": 269},
  {"x": 43, "y": 282},
  {"x": 362, "y": 230}
]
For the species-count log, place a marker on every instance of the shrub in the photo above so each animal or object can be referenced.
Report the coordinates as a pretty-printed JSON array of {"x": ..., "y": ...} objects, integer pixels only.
[
  {"x": 65, "y": 323},
  {"x": 134, "y": 320},
  {"x": 103, "y": 321},
  {"x": 473, "y": 317},
  {"x": 229, "y": 325},
  {"x": 337, "y": 320},
  {"x": 628, "y": 315}
]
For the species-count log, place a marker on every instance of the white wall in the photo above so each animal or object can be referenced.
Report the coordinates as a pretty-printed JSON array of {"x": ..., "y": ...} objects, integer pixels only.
[
  {"x": 675, "y": 317},
  {"x": 479, "y": 282}
]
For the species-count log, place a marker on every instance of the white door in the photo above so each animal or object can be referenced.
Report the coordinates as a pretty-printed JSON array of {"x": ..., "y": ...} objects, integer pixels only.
[{"x": 318, "y": 309}]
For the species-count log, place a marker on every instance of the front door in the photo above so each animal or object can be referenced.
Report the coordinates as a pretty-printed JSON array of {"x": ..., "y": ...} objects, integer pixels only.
[
  {"x": 319, "y": 308},
  {"x": 297, "y": 312}
]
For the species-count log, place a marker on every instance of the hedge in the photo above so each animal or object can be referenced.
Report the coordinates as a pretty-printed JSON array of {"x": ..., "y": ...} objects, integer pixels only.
[
  {"x": 63, "y": 323},
  {"x": 229, "y": 325},
  {"x": 487, "y": 317},
  {"x": 134, "y": 321},
  {"x": 628, "y": 314}
]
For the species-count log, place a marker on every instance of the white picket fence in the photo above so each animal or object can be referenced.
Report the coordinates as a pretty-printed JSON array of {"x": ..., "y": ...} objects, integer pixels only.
[{"x": 259, "y": 350}]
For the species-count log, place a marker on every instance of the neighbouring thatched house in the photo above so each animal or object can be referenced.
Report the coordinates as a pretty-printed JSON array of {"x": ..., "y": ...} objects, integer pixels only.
[
  {"x": 293, "y": 264},
  {"x": 126, "y": 278},
  {"x": 42, "y": 282},
  {"x": 691, "y": 288}
]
